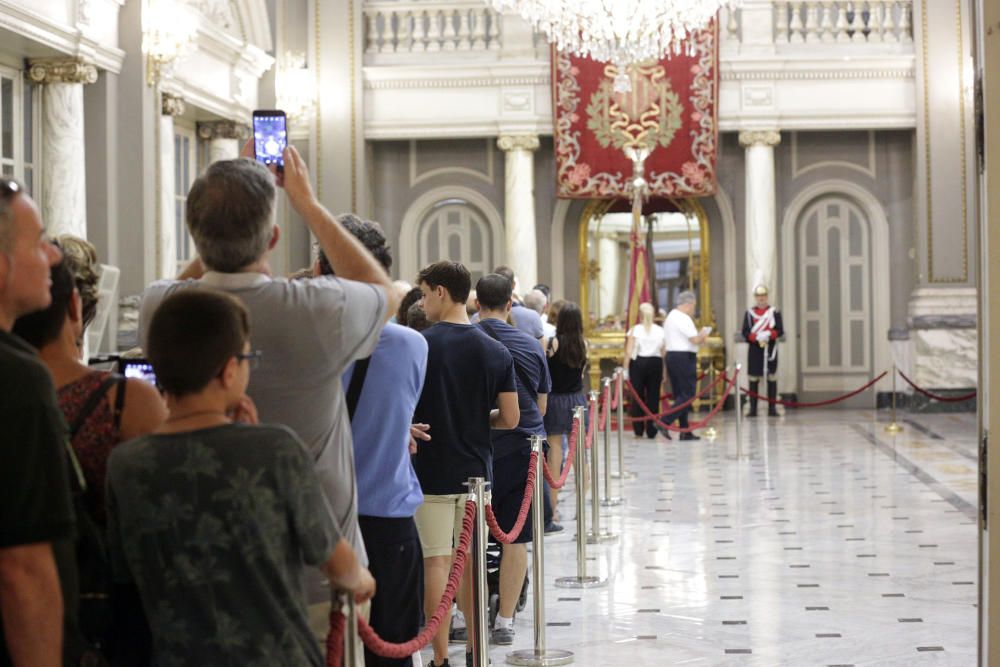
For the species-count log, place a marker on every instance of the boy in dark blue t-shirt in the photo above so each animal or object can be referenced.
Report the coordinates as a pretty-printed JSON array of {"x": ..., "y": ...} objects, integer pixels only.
[
  {"x": 469, "y": 389},
  {"x": 512, "y": 449}
]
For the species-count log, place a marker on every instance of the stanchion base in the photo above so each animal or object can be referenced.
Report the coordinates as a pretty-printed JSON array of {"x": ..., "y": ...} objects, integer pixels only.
[
  {"x": 710, "y": 433},
  {"x": 603, "y": 538},
  {"x": 894, "y": 428},
  {"x": 618, "y": 475},
  {"x": 535, "y": 658},
  {"x": 614, "y": 501},
  {"x": 580, "y": 582}
]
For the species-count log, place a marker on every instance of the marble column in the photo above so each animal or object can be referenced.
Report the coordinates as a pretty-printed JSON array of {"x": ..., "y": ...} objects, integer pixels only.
[
  {"x": 760, "y": 223},
  {"x": 64, "y": 168},
  {"x": 166, "y": 233},
  {"x": 519, "y": 207},
  {"x": 224, "y": 138}
]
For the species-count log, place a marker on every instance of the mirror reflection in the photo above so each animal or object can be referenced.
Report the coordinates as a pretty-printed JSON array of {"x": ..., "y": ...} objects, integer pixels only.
[{"x": 673, "y": 242}]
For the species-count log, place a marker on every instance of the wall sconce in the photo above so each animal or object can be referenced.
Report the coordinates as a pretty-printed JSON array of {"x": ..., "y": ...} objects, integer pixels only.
[
  {"x": 168, "y": 27},
  {"x": 295, "y": 88}
]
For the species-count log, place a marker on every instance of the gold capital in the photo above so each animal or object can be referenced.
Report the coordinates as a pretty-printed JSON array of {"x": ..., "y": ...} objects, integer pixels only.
[
  {"x": 222, "y": 129},
  {"x": 61, "y": 70},
  {"x": 750, "y": 138},
  {"x": 514, "y": 142},
  {"x": 172, "y": 105}
]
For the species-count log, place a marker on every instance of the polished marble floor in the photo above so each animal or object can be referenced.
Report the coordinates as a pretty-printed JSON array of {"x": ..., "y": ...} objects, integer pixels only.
[{"x": 822, "y": 541}]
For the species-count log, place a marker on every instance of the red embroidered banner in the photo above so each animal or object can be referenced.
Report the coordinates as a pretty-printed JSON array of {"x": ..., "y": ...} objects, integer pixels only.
[{"x": 671, "y": 108}]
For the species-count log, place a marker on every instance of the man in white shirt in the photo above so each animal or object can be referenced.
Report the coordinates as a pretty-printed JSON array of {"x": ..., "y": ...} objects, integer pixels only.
[{"x": 682, "y": 341}]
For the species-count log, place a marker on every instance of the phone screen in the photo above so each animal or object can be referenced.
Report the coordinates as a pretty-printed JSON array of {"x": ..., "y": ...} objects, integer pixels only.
[
  {"x": 138, "y": 368},
  {"x": 270, "y": 136}
]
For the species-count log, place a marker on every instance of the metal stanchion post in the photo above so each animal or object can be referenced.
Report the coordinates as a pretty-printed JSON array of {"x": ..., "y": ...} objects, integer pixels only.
[
  {"x": 739, "y": 413},
  {"x": 478, "y": 619},
  {"x": 351, "y": 633},
  {"x": 581, "y": 580},
  {"x": 539, "y": 656},
  {"x": 710, "y": 433},
  {"x": 893, "y": 428},
  {"x": 621, "y": 473},
  {"x": 608, "y": 500},
  {"x": 596, "y": 535}
]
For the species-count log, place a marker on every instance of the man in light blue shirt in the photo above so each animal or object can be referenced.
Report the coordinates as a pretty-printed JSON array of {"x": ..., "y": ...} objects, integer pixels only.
[{"x": 381, "y": 393}]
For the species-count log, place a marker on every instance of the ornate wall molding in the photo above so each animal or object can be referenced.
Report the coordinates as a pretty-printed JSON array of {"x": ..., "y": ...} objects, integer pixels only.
[
  {"x": 729, "y": 74},
  {"x": 222, "y": 129},
  {"x": 518, "y": 142},
  {"x": 750, "y": 138},
  {"x": 172, "y": 105},
  {"x": 456, "y": 82},
  {"x": 61, "y": 70}
]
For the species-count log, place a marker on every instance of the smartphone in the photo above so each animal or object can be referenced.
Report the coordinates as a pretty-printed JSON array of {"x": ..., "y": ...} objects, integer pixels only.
[
  {"x": 137, "y": 368},
  {"x": 270, "y": 136}
]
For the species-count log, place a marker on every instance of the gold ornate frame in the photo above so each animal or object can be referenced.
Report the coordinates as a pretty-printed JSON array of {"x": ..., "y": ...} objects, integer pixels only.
[{"x": 611, "y": 344}]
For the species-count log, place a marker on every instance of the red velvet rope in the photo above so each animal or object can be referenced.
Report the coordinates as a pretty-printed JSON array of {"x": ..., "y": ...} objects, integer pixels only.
[
  {"x": 522, "y": 515},
  {"x": 937, "y": 397},
  {"x": 386, "y": 649},
  {"x": 704, "y": 422},
  {"x": 564, "y": 475},
  {"x": 673, "y": 409},
  {"x": 815, "y": 404},
  {"x": 335, "y": 638}
]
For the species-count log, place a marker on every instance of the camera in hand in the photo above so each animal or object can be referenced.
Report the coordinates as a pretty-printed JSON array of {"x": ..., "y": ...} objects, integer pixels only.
[{"x": 270, "y": 136}]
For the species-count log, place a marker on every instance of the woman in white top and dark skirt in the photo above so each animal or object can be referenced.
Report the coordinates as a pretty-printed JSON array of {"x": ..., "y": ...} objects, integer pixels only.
[
  {"x": 682, "y": 340},
  {"x": 644, "y": 346}
]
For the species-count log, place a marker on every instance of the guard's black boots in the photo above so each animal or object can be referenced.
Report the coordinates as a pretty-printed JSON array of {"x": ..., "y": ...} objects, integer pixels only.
[
  {"x": 754, "y": 385},
  {"x": 772, "y": 395}
]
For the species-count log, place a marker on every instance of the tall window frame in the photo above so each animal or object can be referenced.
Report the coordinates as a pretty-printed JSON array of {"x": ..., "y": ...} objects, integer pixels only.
[
  {"x": 20, "y": 136},
  {"x": 186, "y": 169}
]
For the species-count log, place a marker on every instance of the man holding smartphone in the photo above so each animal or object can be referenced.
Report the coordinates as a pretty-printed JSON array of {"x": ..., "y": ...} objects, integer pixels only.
[{"x": 308, "y": 331}]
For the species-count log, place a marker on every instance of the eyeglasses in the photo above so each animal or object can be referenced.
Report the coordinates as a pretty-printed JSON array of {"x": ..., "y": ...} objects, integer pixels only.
[{"x": 252, "y": 358}]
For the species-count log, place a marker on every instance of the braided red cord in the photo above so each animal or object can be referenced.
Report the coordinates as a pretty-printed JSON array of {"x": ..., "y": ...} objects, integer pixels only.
[
  {"x": 815, "y": 404},
  {"x": 673, "y": 409},
  {"x": 386, "y": 649},
  {"x": 564, "y": 475},
  {"x": 522, "y": 515},
  {"x": 937, "y": 397},
  {"x": 691, "y": 427},
  {"x": 335, "y": 638}
]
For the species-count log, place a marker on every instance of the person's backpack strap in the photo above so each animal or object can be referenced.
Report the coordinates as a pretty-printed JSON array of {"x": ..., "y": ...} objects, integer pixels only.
[
  {"x": 119, "y": 401},
  {"x": 92, "y": 402},
  {"x": 356, "y": 385},
  {"x": 522, "y": 375}
]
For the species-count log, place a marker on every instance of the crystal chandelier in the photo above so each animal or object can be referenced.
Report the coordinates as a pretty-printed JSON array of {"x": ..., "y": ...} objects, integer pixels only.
[{"x": 621, "y": 32}]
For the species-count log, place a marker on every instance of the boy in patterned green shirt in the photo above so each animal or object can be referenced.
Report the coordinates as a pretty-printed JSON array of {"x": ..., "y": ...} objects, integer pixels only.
[{"x": 214, "y": 518}]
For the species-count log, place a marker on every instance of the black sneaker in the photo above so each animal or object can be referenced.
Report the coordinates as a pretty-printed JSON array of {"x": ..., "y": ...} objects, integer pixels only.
[
  {"x": 502, "y": 636},
  {"x": 553, "y": 527},
  {"x": 443, "y": 664},
  {"x": 458, "y": 636},
  {"x": 689, "y": 436}
]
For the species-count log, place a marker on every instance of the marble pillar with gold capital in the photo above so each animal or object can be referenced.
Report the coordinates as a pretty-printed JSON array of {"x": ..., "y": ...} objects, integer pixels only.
[
  {"x": 519, "y": 206},
  {"x": 64, "y": 186},
  {"x": 761, "y": 213},
  {"x": 224, "y": 137},
  {"x": 166, "y": 232}
]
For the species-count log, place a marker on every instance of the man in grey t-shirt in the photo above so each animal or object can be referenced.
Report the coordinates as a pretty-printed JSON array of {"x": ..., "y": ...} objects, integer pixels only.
[{"x": 309, "y": 331}]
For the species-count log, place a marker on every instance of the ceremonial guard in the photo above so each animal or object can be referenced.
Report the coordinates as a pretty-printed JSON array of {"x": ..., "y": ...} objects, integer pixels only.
[{"x": 762, "y": 327}]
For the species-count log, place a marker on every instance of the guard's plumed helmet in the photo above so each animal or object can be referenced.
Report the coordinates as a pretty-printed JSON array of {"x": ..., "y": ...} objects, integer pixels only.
[{"x": 760, "y": 290}]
